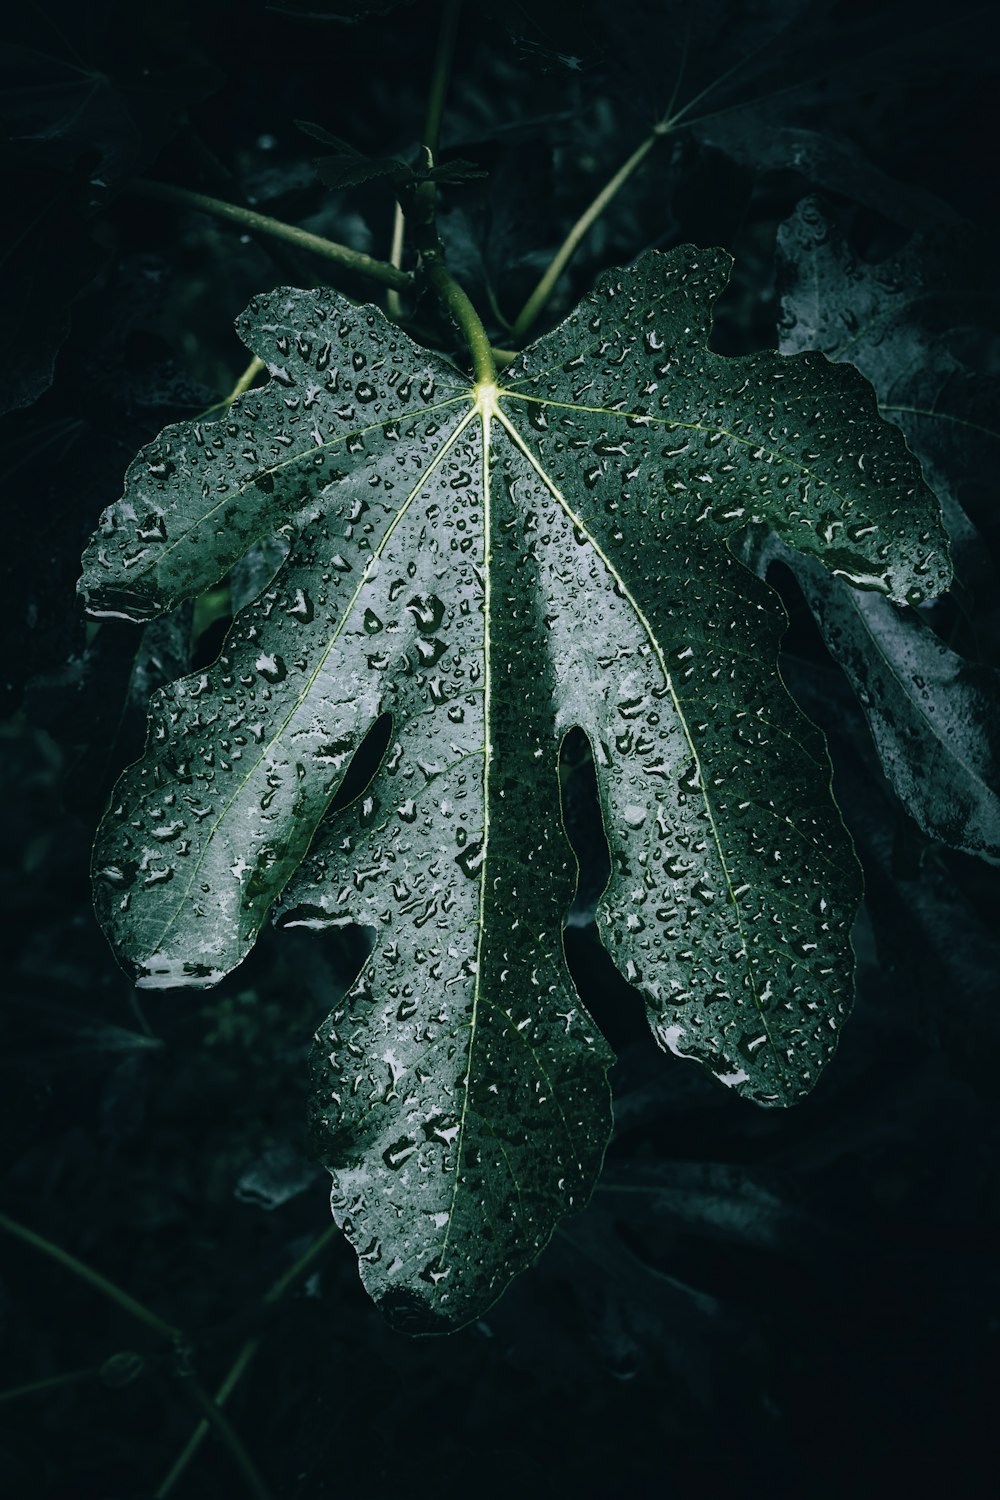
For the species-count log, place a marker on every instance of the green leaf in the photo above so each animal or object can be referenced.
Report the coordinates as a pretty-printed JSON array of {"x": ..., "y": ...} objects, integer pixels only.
[
  {"x": 456, "y": 170},
  {"x": 904, "y": 321},
  {"x": 492, "y": 566},
  {"x": 350, "y": 167},
  {"x": 806, "y": 87}
]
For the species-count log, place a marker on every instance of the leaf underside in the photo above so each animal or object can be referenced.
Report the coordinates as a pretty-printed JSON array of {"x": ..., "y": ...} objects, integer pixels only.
[{"x": 493, "y": 567}]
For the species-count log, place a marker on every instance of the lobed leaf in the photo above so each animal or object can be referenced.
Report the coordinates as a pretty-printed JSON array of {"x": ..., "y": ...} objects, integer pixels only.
[
  {"x": 903, "y": 321},
  {"x": 493, "y": 566}
]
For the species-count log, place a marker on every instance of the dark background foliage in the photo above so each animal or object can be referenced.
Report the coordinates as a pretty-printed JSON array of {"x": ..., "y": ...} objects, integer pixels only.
[{"x": 796, "y": 1303}]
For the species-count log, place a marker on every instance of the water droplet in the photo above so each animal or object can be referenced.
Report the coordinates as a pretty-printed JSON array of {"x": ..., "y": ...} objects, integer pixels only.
[
  {"x": 271, "y": 667},
  {"x": 471, "y": 859},
  {"x": 301, "y": 607},
  {"x": 165, "y": 832},
  {"x": 400, "y": 1151},
  {"x": 152, "y": 529},
  {"x": 428, "y": 612}
]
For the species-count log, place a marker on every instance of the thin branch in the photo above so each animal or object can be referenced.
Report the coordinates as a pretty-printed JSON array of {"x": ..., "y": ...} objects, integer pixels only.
[
  {"x": 440, "y": 77},
  {"x": 220, "y": 1424},
  {"x": 50, "y": 1383},
  {"x": 393, "y": 301},
  {"x": 305, "y": 1262},
  {"x": 245, "y": 1356},
  {"x": 543, "y": 291},
  {"x": 249, "y": 219},
  {"x": 87, "y": 1273},
  {"x": 233, "y": 1377},
  {"x": 246, "y": 380},
  {"x": 444, "y": 52},
  {"x": 244, "y": 383},
  {"x": 455, "y": 301},
  {"x": 221, "y": 179}
]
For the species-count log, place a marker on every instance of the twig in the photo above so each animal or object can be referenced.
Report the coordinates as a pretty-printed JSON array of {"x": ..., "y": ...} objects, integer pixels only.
[
  {"x": 220, "y": 1424},
  {"x": 442, "y": 72},
  {"x": 393, "y": 301},
  {"x": 248, "y": 218},
  {"x": 456, "y": 303},
  {"x": 87, "y": 1273},
  {"x": 543, "y": 291},
  {"x": 50, "y": 1383},
  {"x": 244, "y": 1358},
  {"x": 244, "y": 383},
  {"x": 443, "y": 54}
]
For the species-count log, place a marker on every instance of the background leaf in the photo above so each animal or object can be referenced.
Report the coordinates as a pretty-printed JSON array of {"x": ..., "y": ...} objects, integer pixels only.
[{"x": 900, "y": 318}]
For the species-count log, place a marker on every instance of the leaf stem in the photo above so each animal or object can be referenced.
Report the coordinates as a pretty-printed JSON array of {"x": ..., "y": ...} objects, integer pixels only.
[
  {"x": 245, "y": 1357},
  {"x": 455, "y": 301},
  {"x": 87, "y": 1273},
  {"x": 242, "y": 385},
  {"x": 50, "y": 1383},
  {"x": 393, "y": 301},
  {"x": 543, "y": 291},
  {"x": 442, "y": 72},
  {"x": 305, "y": 1262},
  {"x": 246, "y": 380},
  {"x": 444, "y": 52},
  {"x": 249, "y": 219},
  {"x": 232, "y": 1379},
  {"x": 220, "y": 1424}
]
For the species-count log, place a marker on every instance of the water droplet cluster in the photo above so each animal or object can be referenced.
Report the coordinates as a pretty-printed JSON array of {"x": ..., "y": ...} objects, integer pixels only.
[{"x": 489, "y": 579}]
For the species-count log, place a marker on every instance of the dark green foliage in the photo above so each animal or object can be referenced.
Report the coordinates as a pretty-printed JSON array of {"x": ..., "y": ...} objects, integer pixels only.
[
  {"x": 904, "y": 320},
  {"x": 783, "y": 1301},
  {"x": 444, "y": 541}
]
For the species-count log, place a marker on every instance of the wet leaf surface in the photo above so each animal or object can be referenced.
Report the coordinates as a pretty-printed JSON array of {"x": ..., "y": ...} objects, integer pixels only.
[
  {"x": 445, "y": 536},
  {"x": 921, "y": 323}
]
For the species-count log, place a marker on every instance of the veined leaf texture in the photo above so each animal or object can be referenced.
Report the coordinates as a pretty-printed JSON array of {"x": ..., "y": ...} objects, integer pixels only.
[{"x": 493, "y": 565}]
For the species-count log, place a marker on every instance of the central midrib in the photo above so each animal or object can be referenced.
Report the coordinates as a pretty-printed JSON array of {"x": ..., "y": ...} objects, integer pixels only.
[
  {"x": 485, "y": 410},
  {"x": 609, "y": 566}
]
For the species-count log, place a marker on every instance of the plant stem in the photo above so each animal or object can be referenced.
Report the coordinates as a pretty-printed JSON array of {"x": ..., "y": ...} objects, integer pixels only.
[
  {"x": 455, "y": 301},
  {"x": 439, "y": 78},
  {"x": 226, "y": 1433},
  {"x": 244, "y": 383},
  {"x": 87, "y": 1273},
  {"x": 249, "y": 219},
  {"x": 543, "y": 291},
  {"x": 246, "y": 380},
  {"x": 222, "y": 180},
  {"x": 245, "y": 1356},
  {"x": 443, "y": 55},
  {"x": 233, "y": 1376},
  {"x": 393, "y": 301},
  {"x": 305, "y": 1262},
  {"x": 51, "y": 1383}
]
